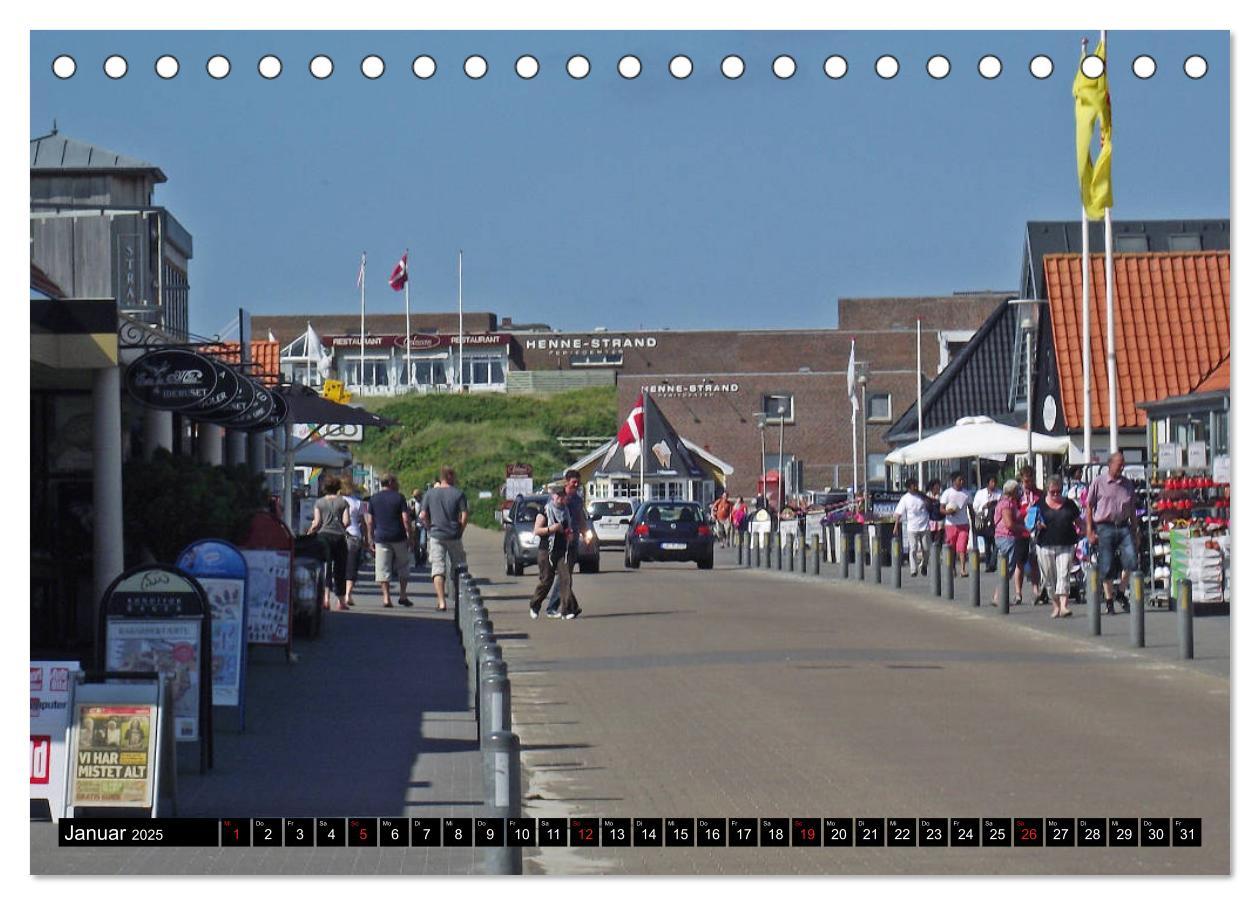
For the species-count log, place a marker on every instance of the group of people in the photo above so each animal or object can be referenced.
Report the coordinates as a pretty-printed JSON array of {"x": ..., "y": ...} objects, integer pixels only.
[
  {"x": 1036, "y": 532},
  {"x": 558, "y": 526},
  {"x": 386, "y": 526},
  {"x": 729, "y": 517}
]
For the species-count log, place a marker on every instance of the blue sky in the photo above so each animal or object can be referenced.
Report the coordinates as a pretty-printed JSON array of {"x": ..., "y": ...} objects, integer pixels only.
[{"x": 649, "y": 203}]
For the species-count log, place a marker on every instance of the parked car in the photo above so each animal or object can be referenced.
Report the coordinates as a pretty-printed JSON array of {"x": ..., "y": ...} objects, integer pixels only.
[
  {"x": 520, "y": 545},
  {"x": 670, "y": 531},
  {"x": 611, "y": 519}
]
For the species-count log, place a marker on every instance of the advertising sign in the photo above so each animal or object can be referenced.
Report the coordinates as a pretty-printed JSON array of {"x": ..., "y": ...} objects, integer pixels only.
[
  {"x": 50, "y": 717},
  {"x": 260, "y": 408},
  {"x": 221, "y": 571},
  {"x": 174, "y": 379},
  {"x": 267, "y": 590},
  {"x": 1197, "y": 455},
  {"x": 1169, "y": 456},
  {"x": 112, "y": 755},
  {"x": 226, "y": 388},
  {"x": 1220, "y": 470}
]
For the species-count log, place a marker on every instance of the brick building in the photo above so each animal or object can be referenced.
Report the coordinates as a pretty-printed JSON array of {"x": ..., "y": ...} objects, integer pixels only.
[{"x": 710, "y": 384}]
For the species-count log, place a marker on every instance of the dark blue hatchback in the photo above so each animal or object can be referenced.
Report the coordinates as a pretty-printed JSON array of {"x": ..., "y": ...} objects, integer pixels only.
[{"x": 670, "y": 531}]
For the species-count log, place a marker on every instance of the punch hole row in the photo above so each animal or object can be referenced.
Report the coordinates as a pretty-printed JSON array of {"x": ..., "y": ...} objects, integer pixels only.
[{"x": 578, "y": 66}]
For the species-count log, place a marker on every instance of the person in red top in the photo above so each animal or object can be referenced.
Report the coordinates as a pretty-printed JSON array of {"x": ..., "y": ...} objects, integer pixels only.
[{"x": 722, "y": 507}]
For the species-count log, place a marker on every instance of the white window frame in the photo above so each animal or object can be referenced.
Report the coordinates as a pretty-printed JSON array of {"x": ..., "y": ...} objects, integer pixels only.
[{"x": 882, "y": 419}]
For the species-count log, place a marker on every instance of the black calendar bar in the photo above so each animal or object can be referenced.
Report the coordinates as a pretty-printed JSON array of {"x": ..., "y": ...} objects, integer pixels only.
[{"x": 642, "y": 832}]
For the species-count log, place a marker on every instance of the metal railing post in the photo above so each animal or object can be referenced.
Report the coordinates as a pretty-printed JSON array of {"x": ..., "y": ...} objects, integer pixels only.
[
  {"x": 859, "y": 553},
  {"x": 1004, "y": 585},
  {"x": 950, "y": 556},
  {"x": 1137, "y": 610},
  {"x": 877, "y": 559},
  {"x": 896, "y": 560},
  {"x": 1185, "y": 618},
  {"x": 501, "y": 780},
  {"x": 844, "y": 553},
  {"x": 934, "y": 555},
  {"x": 1093, "y": 603}
]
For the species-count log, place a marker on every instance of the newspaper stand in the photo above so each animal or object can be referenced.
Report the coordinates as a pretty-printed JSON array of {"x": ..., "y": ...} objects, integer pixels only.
[
  {"x": 268, "y": 550},
  {"x": 222, "y": 572},
  {"x": 140, "y": 753},
  {"x": 157, "y": 619},
  {"x": 50, "y": 719}
]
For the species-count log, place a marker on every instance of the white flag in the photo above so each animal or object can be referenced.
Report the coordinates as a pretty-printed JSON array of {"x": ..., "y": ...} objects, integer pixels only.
[
  {"x": 362, "y": 267},
  {"x": 852, "y": 376},
  {"x": 314, "y": 348}
]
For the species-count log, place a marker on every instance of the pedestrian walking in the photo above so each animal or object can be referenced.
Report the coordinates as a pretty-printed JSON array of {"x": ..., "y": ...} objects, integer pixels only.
[
  {"x": 444, "y": 514},
  {"x": 982, "y": 506},
  {"x": 913, "y": 510},
  {"x": 1030, "y": 497},
  {"x": 1111, "y": 524},
  {"x": 389, "y": 529},
  {"x": 553, "y": 527},
  {"x": 355, "y": 536},
  {"x": 1058, "y": 520},
  {"x": 721, "y": 510},
  {"x": 739, "y": 516},
  {"x": 332, "y": 515},
  {"x": 936, "y": 520},
  {"x": 955, "y": 505},
  {"x": 1012, "y": 538}
]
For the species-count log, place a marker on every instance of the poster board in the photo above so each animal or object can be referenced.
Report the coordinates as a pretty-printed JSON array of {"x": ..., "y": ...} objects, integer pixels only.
[
  {"x": 50, "y": 720},
  {"x": 222, "y": 572},
  {"x": 1169, "y": 456},
  {"x": 1220, "y": 469},
  {"x": 1196, "y": 455},
  {"x": 268, "y": 552},
  {"x": 157, "y": 619}
]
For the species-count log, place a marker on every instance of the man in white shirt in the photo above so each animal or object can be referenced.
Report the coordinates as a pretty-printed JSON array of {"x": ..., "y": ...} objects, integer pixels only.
[
  {"x": 982, "y": 505},
  {"x": 954, "y": 505},
  {"x": 913, "y": 509}
]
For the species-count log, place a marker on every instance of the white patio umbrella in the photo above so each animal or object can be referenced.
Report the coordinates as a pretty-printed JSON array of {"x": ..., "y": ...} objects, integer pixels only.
[{"x": 973, "y": 437}]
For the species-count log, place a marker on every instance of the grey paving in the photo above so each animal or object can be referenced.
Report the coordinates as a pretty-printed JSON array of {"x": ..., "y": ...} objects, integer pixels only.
[
  {"x": 741, "y": 694},
  {"x": 370, "y": 721}
]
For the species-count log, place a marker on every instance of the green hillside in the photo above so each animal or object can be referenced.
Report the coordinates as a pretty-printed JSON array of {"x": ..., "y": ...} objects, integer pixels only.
[{"x": 480, "y": 434}]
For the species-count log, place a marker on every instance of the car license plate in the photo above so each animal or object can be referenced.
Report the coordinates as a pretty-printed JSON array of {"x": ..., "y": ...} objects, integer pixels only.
[{"x": 673, "y": 546}]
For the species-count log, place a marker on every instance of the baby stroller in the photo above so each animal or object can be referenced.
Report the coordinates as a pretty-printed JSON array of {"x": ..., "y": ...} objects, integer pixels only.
[{"x": 1076, "y": 577}]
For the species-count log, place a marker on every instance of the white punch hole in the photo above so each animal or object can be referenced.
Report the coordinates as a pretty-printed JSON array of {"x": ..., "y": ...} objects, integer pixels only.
[
  {"x": 680, "y": 66},
  {"x": 218, "y": 66},
  {"x": 990, "y": 67},
  {"x": 424, "y": 66},
  {"x": 784, "y": 67},
  {"x": 321, "y": 66},
  {"x": 835, "y": 66},
  {"x": 1144, "y": 66},
  {"x": 629, "y": 67},
  {"x": 887, "y": 67},
  {"x": 64, "y": 66},
  {"x": 578, "y": 66},
  {"x": 270, "y": 67},
  {"x": 526, "y": 66},
  {"x": 372, "y": 66},
  {"x": 1041, "y": 66},
  {"x": 115, "y": 66},
  {"x": 1195, "y": 66},
  {"x": 938, "y": 66},
  {"x": 166, "y": 66},
  {"x": 1092, "y": 67},
  {"x": 476, "y": 67},
  {"x": 732, "y": 66}
]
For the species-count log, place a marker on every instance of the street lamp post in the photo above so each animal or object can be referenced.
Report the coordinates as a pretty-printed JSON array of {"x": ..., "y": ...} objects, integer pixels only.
[
  {"x": 1026, "y": 324},
  {"x": 866, "y": 465},
  {"x": 760, "y": 418},
  {"x": 782, "y": 409}
]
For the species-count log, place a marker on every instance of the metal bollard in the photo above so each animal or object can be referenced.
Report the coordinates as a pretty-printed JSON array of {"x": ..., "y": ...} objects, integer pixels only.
[
  {"x": 844, "y": 554},
  {"x": 1004, "y": 585},
  {"x": 896, "y": 561},
  {"x": 877, "y": 559},
  {"x": 818, "y": 543},
  {"x": 974, "y": 556},
  {"x": 1093, "y": 600},
  {"x": 790, "y": 543},
  {"x": 778, "y": 554},
  {"x": 950, "y": 555},
  {"x": 501, "y": 780},
  {"x": 934, "y": 554},
  {"x": 739, "y": 547},
  {"x": 495, "y": 707},
  {"x": 859, "y": 554},
  {"x": 756, "y": 547},
  {"x": 765, "y": 542},
  {"x": 1137, "y": 610},
  {"x": 804, "y": 554},
  {"x": 1185, "y": 618}
]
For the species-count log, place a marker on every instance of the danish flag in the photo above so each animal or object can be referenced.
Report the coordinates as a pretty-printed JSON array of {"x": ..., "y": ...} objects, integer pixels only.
[
  {"x": 630, "y": 437},
  {"x": 398, "y": 279}
]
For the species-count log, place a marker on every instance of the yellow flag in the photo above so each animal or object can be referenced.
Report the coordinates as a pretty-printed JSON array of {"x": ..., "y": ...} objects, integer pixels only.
[{"x": 1093, "y": 103}]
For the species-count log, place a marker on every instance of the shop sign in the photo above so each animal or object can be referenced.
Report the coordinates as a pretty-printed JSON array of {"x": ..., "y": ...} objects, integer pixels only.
[
  {"x": 226, "y": 388},
  {"x": 50, "y": 717},
  {"x": 419, "y": 341},
  {"x": 519, "y": 470},
  {"x": 174, "y": 379},
  {"x": 279, "y": 412},
  {"x": 344, "y": 433},
  {"x": 113, "y": 751},
  {"x": 599, "y": 343},
  {"x": 1197, "y": 455},
  {"x": 221, "y": 571},
  {"x": 155, "y": 621},
  {"x": 699, "y": 390},
  {"x": 259, "y": 411}
]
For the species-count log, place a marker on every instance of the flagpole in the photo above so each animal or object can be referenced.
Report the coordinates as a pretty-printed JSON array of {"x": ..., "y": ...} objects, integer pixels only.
[
  {"x": 643, "y": 451},
  {"x": 853, "y": 413},
  {"x": 461, "y": 319},
  {"x": 308, "y": 353},
  {"x": 362, "y": 322},
  {"x": 918, "y": 327},
  {"x": 1111, "y": 325},
  {"x": 407, "y": 307}
]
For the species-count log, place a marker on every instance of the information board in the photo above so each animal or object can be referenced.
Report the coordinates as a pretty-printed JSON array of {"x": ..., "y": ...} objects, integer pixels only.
[
  {"x": 268, "y": 552},
  {"x": 222, "y": 572}
]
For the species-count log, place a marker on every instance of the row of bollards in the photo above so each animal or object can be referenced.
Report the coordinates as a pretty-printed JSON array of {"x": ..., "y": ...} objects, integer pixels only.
[{"x": 490, "y": 699}]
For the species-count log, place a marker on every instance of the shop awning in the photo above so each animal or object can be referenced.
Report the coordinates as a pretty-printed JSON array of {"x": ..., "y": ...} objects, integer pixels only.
[
  {"x": 308, "y": 407},
  {"x": 976, "y": 436},
  {"x": 321, "y": 455}
]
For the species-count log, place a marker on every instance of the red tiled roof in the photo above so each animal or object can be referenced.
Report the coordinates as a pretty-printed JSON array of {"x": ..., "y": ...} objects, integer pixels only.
[
  {"x": 1217, "y": 380},
  {"x": 1171, "y": 324},
  {"x": 264, "y": 354}
]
